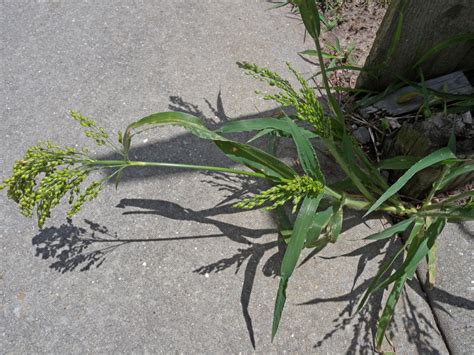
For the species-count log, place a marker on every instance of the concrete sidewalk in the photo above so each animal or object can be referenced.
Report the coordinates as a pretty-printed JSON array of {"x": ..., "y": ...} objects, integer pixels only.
[{"x": 164, "y": 264}]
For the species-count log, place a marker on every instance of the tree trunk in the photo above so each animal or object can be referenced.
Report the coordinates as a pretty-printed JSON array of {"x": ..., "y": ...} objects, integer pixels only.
[{"x": 424, "y": 24}]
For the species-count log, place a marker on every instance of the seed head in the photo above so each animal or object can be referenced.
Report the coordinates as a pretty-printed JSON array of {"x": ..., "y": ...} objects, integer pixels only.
[
  {"x": 278, "y": 195},
  {"x": 98, "y": 134},
  {"x": 45, "y": 175},
  {"x": 305, "y": 101}
]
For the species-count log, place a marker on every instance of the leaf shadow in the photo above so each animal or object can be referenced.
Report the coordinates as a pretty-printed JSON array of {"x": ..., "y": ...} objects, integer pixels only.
[{"x": 418, "y": 328}]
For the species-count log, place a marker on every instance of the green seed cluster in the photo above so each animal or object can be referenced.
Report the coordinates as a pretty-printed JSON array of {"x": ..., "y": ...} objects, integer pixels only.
[
  {"x": 278, "y": 195},
  {"x": 90, "y": 193},
  {"x": 96, "y": 133},
  {"x": 304, "y": 101},
  {"x": 44, "y": 176}
]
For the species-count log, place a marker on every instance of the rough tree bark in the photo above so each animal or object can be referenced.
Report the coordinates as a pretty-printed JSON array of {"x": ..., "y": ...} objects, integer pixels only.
[
  {"x": 425, "y": 24},
  {"x": 408, "y": 31}
]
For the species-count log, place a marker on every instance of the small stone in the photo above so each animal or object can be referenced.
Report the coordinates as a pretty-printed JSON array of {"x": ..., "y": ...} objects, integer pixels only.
[
  {"x": 394, "y": 124},
  {"x": 467, "y": 117},
  {"x": 362, "y": 135},
  {"x": 206, "y": 275},
  {"x": 144, "y": 263}
]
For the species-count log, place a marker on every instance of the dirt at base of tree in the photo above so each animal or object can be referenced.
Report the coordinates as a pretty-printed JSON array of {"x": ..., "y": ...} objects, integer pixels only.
[{"x": 358, "y": 25}]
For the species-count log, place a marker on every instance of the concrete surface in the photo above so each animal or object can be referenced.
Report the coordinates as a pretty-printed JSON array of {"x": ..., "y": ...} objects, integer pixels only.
[
  {"x": 163, "y": 264},
  {"x": 452, "y": 298}
]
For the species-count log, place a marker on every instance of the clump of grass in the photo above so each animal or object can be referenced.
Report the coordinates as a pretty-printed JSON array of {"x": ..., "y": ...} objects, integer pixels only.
[{"x": 48, "y": 173}]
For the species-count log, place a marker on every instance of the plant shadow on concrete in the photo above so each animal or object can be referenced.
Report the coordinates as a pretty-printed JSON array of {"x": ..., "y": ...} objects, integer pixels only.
[
  {"x": 418, "y": 328},
  {"x": 47, "y": 173},
  {"x": 74, "y": 248}
]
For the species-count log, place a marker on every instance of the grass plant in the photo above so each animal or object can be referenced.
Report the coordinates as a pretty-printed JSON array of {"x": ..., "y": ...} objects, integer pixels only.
[{"x": 47, "y": 174}]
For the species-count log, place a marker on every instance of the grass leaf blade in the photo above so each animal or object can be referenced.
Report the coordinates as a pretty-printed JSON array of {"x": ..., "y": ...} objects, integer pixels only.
[
  {"x": 396, "y": 228},
  {"x": 416, "y": 252},
  {"x": 454, "y": 173},
  {"x": 335, "y": 223},
  {"x": 432, "y": 159},
  {"x": 292, "y": 253},
  {"x": 388, "y": 311},
  {"x": 320, "y": 221},
  {"x": 310, "y": 52},
  {"x": 306, "y": 152},
  {"x": 185, "y": 120},
  {"x": 310, "y": 16},
  {"x": 431, "y": 261},
  {"x": 465, "y": 37},
  {"x": 256, "y": 159},
  {"x": 417, "y": 228},
  {"x": 402, "y": 162},
  {"x": 256, "y": 124}
]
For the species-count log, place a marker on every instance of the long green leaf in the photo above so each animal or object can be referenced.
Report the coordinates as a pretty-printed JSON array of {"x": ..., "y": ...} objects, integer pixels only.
[
  {"x": 396, "y": 228},
  {"x": 303, "y": 222},
  {"x": 432, "y": 159},
  {"x": 378, "y": 182},
  {"x": 306, "y": 153},
  {"x": 343, "y": 67},
  {"x": 352, "y": 169},
  {"x": 465, "y": 37},
  {"x": 465, "y": 213},
  {"x": 398, "y": 31},
  {"x": 402, "y": 162},
  {"x": 388, "y": 310},
  {"x": 456, "y": 214},
  {"x": 449, "y": 201},
  {"x": 467, "y": 103},
  {"x": 454, "y": 173},
  {"x": 310, "y": 52},
  {"x": 187, "y": 121},
  {"x": 431, "y": 258},
  {"x": 310, "y": 16},
  {"x": 320, "y": 221},
  {"x": 256, "y": 124},
  {"x": 256, "y": 159},
  {"x": 415, "y": 231},
  {"x": 261, "y": 134},
  {"x": 285, "y": 227},
  {"x": 335, "y": 222},
  {"x": 416, "y": 252}
]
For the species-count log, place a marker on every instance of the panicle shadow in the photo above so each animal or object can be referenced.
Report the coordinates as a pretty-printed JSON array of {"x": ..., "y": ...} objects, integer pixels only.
[{"x": 71, "y": 247}]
